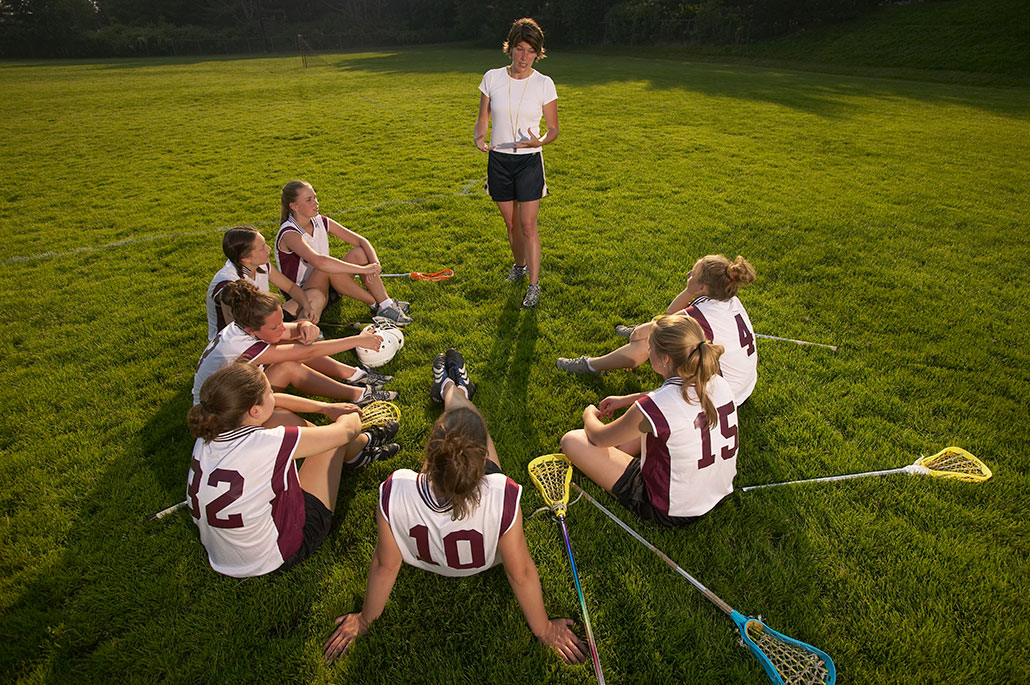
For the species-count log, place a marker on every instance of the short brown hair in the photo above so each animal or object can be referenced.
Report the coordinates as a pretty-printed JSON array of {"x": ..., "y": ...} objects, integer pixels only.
[{"x": 526, "y": 30}]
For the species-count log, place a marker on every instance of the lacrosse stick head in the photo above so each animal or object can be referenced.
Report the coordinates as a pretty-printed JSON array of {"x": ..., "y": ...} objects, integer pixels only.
[
  {"x": 437, "y": 276},
  {"x": 552, "y": 475},
  {"x": 786, "y": 661},
  {"x": 378, "y": 413},
  {"x": 955, "y": 463}
]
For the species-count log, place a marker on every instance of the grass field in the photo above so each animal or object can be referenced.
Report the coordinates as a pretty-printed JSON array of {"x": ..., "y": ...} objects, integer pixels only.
[{"x": 886, "y": 216}]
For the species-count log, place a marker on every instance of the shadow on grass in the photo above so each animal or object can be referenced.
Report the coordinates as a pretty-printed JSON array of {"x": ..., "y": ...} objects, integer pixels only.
[{"x": 813, "y": 92}]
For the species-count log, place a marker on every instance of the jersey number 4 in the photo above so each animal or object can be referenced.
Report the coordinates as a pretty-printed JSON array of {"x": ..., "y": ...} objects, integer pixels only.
[
  {"x": 217, "y": 477},
  {"x": 729, "y": 432},
  {"x": 473, "y": 538},
  {"x": 747, "y": 338}
]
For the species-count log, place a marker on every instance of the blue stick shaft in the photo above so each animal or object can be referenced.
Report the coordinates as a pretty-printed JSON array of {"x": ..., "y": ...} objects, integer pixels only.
[{"x": 582, "y": 604}]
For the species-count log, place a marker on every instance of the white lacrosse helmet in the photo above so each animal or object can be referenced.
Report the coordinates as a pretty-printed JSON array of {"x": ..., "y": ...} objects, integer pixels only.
[{"x": 393, "y": 341}]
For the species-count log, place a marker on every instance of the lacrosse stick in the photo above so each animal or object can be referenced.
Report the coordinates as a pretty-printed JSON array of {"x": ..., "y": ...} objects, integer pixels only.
[
  {"x": 951, "y": 462},
  {"x": 169, "y": 510},
  {"x": 552, "y": 474},
  {"x": 794, "y": 340},
  {"x": 786, "y": 661},
  {"x": 378, "y": 413},
  {"x": 420, "y": 276}
]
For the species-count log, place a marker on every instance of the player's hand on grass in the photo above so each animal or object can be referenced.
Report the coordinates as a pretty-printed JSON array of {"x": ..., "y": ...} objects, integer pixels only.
[
  {"x": 348, "y": 629},
  {"x": 335, "y": 410},
  {"x": 560, "y": 637},
  {"x": 369, "y": 340}
]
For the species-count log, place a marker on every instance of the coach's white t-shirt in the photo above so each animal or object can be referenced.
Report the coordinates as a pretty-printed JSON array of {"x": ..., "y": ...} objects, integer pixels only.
[
  {"x": 516, "y": 107},
  {"x": 687, "y": 467},
  {"x": 726, "y": 323},
  {"x": 427, "y": 536}
]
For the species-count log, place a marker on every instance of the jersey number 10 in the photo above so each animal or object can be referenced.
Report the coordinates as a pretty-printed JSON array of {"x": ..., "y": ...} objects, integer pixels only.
[{"x": 450, "y": 546}]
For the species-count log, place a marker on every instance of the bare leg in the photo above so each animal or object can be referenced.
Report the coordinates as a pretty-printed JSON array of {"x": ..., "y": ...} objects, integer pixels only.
[
  {"x": 530, "y": 237},
  {"x": 317, "y": 290},
  {"x": 629, "y": 356},
  {"x": 455, "y": 399},
  {"x": 320, "y": 473},
  {"x": 603, "y": 465},
  {"x": 510, "y": 214},
  {"x": 374, "y": 284},
  {"x": 330, "y": 367},
  {"x": 284, "y": 417},
  {"x": 309, "y": 381}
]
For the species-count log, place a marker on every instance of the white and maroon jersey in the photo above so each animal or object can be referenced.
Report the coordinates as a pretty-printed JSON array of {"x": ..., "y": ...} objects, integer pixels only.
[
  {"x": 226, "y": 275},
  {"x": 427, "y": 536},
  {"x": 726, "y": 323},
  {"x": 290, "y": 263},
  {"x": 229, "y": 345},
  {"x": 686, "y": 467},
  {"x": 246, "y": 499}
]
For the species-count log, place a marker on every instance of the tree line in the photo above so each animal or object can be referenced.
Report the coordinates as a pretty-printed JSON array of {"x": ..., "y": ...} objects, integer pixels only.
[{"x": 79, "y": 28}]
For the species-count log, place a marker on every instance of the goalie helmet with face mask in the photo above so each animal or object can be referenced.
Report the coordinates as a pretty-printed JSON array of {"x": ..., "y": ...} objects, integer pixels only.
[{"x": 393, "y": 341}]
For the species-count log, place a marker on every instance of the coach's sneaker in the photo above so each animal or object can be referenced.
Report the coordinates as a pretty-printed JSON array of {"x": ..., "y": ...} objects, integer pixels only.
[
  {"x": 624, "y": 331},
  {"x": 577, "y": 365},
  {"x": 532, "y": 295},
  {"x": 517, "y": 273},
  {"x": 457, "y": 371},
  {"x": 439, "y": 375},
  {"x": 393, "y": 314},
  {"x": 376, "y": 394}
]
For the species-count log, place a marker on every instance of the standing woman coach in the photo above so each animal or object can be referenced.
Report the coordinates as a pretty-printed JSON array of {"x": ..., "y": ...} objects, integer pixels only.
[{"x": 515, "y": 97}]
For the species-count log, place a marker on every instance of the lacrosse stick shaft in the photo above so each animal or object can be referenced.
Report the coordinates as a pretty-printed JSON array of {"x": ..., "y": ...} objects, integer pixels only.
[
  {"x": 712, "y": 597},
  {"x": 165, "y": 512},
  {"x": 794, "y": 340},
  {"x": 582, "y": 604},
  {"x": 407, "y": 275},
  {"x": 886, "y": 472}
]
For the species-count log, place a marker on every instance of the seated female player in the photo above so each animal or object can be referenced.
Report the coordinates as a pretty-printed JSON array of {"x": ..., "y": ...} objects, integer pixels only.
[
  {"x": 255, "y": 510},
  {"x": 247, "y": 257},
  {"x": 685, "y": 432},
  {"x": 711, "y": 294},
  {"x": 258, "y": 334},
  {"x": 460, "y": 515},
  {"x": 302, "y": 252}
]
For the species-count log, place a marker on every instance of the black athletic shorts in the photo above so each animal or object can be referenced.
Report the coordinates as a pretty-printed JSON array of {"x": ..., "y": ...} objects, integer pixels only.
[
  {"x": 632, "y": 494},
  {"x": 515, "y": 177},
  {"x": 317, "y": 522}
]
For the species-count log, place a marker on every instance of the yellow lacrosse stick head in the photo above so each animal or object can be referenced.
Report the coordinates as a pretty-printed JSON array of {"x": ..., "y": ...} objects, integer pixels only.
[
  {"x": 378, "y": 413},
  {"x": 955, "y": 462},
  {"x": 552, "y": 475}
]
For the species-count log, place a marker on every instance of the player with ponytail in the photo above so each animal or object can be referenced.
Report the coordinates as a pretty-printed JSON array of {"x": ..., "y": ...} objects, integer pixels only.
[
  {"x": 458, "y": 516},
  {"x": 288, "y": 352},
  {"x": 247, "y": 255},
  {"x": 710, "y": 298},
  {"x": 685, "y": 432},
  {"x": 256, "y": 511}
]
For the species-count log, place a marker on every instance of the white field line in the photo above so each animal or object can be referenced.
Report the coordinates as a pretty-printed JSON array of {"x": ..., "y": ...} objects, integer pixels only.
[{"x": 467, "y": 189}]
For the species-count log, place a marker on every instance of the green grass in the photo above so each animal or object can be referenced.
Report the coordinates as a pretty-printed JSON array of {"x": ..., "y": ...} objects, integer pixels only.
[{"x": 886, "y": 216}]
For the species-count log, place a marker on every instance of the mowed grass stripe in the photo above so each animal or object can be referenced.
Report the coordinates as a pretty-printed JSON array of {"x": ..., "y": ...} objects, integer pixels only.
[{"x": 884, "y": 216}]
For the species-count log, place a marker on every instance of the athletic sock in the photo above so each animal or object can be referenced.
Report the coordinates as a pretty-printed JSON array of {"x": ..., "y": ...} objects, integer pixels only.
[
  {"x": 357, "y": 375},
  {"x": 359, "y": 457},
  {"x": 590, "y": 366},
  {"x": 386, "y": 303}
]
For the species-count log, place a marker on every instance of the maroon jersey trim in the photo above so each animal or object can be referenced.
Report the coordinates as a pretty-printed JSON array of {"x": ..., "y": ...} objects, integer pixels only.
[
  {"x": 657, "y": 466},
  {"x": 384, "y": 496},
  {"x": 695, "y": 313},
  {"x": 511, "y": 504},
  {"x": 288, "y": 500}
]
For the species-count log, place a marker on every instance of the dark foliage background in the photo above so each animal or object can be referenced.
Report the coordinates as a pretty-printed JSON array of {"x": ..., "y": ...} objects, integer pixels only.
[{"x": 94, "y": 28}]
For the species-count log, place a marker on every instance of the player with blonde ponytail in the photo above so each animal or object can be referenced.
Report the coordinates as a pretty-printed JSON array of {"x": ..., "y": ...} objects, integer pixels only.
[
  {"x": 710, "y": 298},
  {"x": 685, "y": 432},
  {"x": 458, "y": 516}
]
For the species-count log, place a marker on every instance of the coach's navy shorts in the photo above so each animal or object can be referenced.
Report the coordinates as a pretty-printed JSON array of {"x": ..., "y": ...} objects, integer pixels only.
[
  {"x": 317, "y": 522},
  {"x": 515, "y": 177},
  {"x": 631, "y": 492}
]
